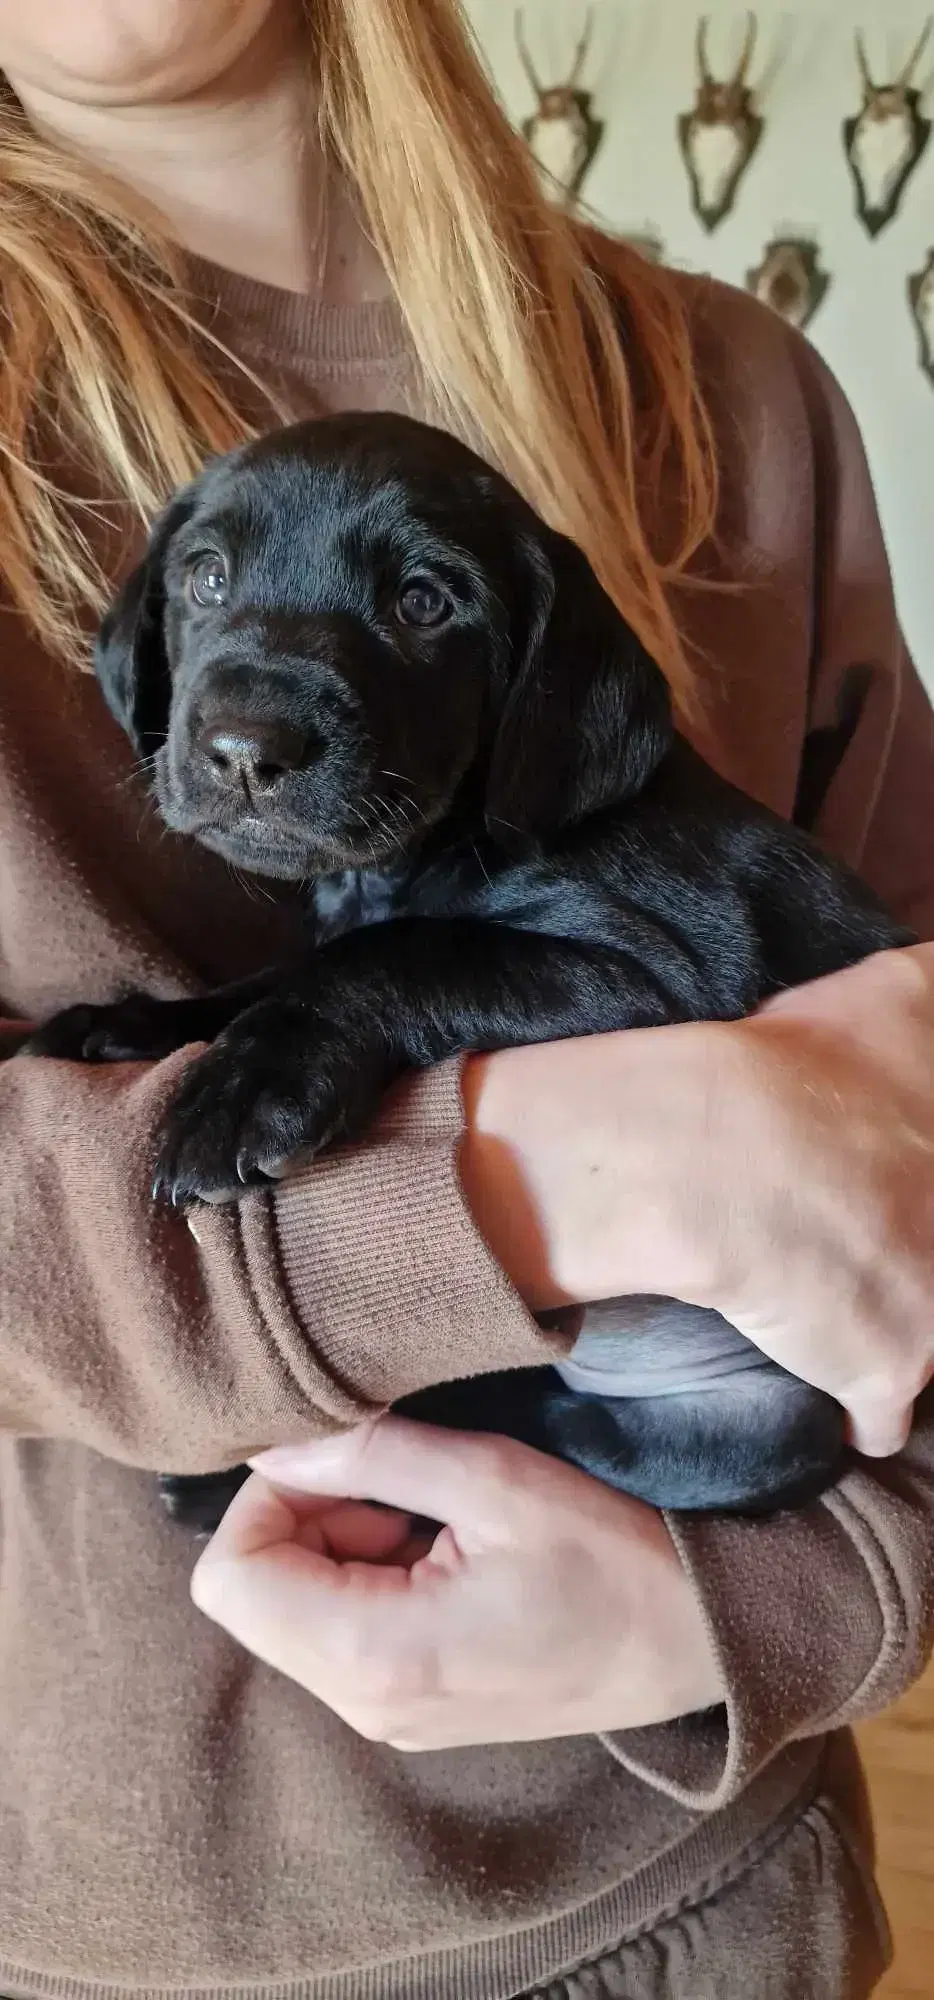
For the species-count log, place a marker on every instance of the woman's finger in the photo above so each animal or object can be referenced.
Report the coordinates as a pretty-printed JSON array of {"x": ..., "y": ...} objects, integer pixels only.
[
  {"x": 877, "y": 1431},
  {"x": 262, "y": 1516},
  {"x": 268, "y": 1579},
  {"x": 353, "y": 1531},
  {"x": 446, "y": 1476}
]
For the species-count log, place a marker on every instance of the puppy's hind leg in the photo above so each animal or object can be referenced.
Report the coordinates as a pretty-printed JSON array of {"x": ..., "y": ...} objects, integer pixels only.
[
  {"x": 677, "y": 1407},
  {"x": 199, "y": 1501},
  {"x": 762, "y": 1442},
  {"x": 667, "y": 1402}
]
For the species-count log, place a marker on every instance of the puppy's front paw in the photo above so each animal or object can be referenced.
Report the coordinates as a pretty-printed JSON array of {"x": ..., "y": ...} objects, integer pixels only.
[
  {"x": 279, "y": 1081},
  {"x": 137, "y": 1029}
]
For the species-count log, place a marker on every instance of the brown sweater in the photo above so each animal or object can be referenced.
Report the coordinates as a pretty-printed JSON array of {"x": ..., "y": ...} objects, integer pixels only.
[{"x": 173, "y": 1815}]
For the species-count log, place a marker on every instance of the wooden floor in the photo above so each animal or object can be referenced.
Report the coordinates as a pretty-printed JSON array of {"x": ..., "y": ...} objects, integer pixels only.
[{"x": 899, "y": 1754}]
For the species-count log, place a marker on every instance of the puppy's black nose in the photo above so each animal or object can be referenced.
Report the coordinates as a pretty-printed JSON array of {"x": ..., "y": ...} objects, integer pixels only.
[{"x": 251, "y": 755}]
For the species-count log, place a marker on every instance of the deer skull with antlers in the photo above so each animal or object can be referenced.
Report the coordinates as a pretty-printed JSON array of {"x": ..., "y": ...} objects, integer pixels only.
[
  {"x": 562, "y": 134},
  {"x": 789, "y": 279},
  {"x": 720, "y": 134},
  {"x": 886, "y": 141}
]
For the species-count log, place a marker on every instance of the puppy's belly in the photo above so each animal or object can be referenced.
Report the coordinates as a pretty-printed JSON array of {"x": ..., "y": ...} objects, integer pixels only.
[
  {"x": 664, "y": 1401},
  {"x": 652, "y": 1346},
  {"x": 670, "y": 1403}
]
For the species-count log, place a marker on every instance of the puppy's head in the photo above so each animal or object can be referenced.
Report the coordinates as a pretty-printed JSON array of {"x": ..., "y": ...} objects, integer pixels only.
[{"x": 340, "y": 631}]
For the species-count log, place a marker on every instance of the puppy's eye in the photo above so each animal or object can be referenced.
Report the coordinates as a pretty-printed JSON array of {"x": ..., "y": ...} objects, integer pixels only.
[
  {"x": 421, "y": 603},
  {"x": 208, "y": 583}
]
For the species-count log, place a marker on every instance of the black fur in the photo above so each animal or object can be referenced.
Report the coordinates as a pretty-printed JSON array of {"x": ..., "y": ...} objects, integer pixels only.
[{"x": 505, "y": 841}]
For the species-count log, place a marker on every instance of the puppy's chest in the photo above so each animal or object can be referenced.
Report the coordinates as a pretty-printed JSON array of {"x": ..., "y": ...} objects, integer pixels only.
[{"x": 358, "y": 897}]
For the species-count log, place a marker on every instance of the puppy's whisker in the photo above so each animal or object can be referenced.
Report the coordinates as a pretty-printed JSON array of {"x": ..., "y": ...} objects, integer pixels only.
[
  {"x": 128, "y": 788},
  {"x": 377, "y": 799},
  {"x": 361, "y": 817},
  {"x": 149, "y": 812},
  {"x": 388, "y": 825},
  {"x": 404, "y": 818},
  {"x": 406, "y": 799},
  {"x": 482, "y": 864},
  {"x": 383, "y": 833},
  {"x": 241, "y": 881},
  {"x": 249, "y": 884},
  {"x": 405, "y": 796},
  {"x": 142, "y": 768},
  {"x": 398, "y": 813}
]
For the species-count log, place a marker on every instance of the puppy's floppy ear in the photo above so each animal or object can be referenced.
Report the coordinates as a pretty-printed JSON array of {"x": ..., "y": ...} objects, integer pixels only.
[
  {"x": 130, "y": 657},
  {"x": 588, "y": 716}
]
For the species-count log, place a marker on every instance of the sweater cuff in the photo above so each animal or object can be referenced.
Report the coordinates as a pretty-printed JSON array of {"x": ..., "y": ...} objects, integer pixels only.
[
  {"x": 387, "y": 1275},
  {"x": 797, "y": 1627}
]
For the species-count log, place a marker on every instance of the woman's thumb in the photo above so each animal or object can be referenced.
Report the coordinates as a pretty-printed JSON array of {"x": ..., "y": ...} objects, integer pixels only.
[
  {"x": 445, "y": 1475},
  {"x": 878, "y": 1432}
]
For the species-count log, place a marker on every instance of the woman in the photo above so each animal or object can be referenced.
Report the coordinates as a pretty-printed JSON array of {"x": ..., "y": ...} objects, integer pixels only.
[{"x": 671, "y": 1807}]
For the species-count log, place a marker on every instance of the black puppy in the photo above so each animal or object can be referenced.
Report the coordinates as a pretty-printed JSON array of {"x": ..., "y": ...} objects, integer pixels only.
[{"x": 359, "y": 659}]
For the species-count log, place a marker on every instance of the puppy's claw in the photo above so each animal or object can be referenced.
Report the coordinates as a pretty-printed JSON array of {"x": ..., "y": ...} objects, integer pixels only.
[{"x": 163, "y": 1189}]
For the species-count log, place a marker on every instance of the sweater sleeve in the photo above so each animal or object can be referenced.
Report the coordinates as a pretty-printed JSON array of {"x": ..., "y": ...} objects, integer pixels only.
[
  {"x": 186, "y": 1345},
  {"x": 824, "y": 1616},
  {"x": 818, "y": 1619}
]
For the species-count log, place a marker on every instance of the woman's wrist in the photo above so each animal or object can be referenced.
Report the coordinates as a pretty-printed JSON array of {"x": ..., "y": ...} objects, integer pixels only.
[
  {"x": 503, "y": 1197},
  {"x": 672, "y": 1667},
  {"x": 572, "y": 1156}
]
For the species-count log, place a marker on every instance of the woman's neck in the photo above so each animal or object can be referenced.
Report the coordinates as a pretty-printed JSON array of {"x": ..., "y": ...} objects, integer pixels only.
[{"x": 236, "y": 170}]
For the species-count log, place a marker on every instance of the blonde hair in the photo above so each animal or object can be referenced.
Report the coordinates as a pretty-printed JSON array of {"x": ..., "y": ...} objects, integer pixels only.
[{"x": 589, "y": 402}]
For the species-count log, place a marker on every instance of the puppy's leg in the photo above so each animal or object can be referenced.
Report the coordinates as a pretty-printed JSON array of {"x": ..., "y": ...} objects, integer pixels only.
[
  {"x": 309, "y": 1064},
  {"x": 142, "y": 1029}
]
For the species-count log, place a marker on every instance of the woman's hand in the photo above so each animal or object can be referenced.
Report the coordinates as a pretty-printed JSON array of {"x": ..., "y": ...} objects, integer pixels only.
[
  {"x": 779, "y": 1169},
  {"x": 546, "y": 1606},
  {"x": 840, "y": 1204}
]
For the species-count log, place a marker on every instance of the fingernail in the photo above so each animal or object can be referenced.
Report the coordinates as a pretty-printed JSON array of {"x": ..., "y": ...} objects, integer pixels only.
[{"x": 291, "y": 1460}]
